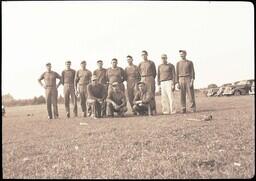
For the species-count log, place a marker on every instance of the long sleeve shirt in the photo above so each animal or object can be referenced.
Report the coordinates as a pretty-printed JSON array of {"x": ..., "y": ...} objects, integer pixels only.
[
  {"x": 115, "y": 75},
  {"x": 50, "y": 78},
  {"x": 147, "y": 68},
  {"x": 146, "y": 97},
  {"x": 185, "y": 68},
  {"x": 118, "y": 97},
  {"x": 68, "y": 77},
  {"x": 166, "y": 72},
  {"x": 101, "y": 75},
  {"x": 83, "y": 77},
  {"x": 96, "y": 91},
  {"x": 132, "y": 73}
]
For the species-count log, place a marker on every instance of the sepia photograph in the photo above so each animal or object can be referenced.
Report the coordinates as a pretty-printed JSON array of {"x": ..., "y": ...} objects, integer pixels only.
[{"x": 128, "y": 90}]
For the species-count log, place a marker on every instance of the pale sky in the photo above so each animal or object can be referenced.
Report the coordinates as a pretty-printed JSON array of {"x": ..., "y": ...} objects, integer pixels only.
[{"x": 218, "y": 36}]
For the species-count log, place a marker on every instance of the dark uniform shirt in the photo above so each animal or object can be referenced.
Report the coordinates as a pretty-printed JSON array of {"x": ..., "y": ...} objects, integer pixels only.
[
  {"x": 96, "y": 91},
  {"x": 115, "y": 75},
  {"x": 101, "y": 75},
  {"x": 147, "y": 68},
  {"x": 146, "y": 97},
  {"x": 166, "y": 72},
  {"x": 132, "y": 73},
  {"x": 118, "y": 97},
  {"x": 68, "y": 76},
  {"x": 50, "y": 78},
  {"x": 83, "y": 76},
  {"x": 185, "y": 68}
]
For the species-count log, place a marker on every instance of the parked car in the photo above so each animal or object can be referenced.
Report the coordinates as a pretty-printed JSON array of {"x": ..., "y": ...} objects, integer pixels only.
[
  {"x": 251, "y": 92},
  {"x": 222, "y": 88},
  {"x": 212, "y": 90},
  {"x": 239, "y": 88}
]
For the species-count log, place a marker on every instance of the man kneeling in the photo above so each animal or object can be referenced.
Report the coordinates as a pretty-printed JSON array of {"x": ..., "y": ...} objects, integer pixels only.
[
  {"x": 96, "y": 98},
  {"x": 116, "y": 101},
  {"x": 143, "y": 100}
]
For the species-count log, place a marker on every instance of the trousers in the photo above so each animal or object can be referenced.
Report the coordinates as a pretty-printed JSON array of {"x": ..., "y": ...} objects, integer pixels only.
[
  {"x": 186, "y": 89},
  {"x": 167, "y": 97},
  {"x": 69, "y": 91},
  {"x": 51, "y": 100}
]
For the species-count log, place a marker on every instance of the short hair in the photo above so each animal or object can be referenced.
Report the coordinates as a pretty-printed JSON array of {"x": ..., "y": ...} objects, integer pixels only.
[
  {"x": 68, "y": 62},
  {"x": 99, "y": 61},
  {"x": 129, "y": 56},
  {"x": 141, "y": 83},
  {"x": 48, "y": 64},
  {"x": 83, "y": 62},
  {"x": 184, "y": 51},
  {"x": 144, "y": 51},
  {"x": 114, "y": 59}
]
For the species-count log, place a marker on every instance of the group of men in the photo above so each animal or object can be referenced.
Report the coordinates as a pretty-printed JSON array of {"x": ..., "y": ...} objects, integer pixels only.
[{"x": 102, "y": 92}]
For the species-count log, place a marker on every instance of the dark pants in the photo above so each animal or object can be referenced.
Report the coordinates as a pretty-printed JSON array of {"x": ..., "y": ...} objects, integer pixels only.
[
  {"x": 69, "y": 91},
  {"x": 132, "y": 88},
  {"x": 186, "y": 89},
  {"x": 96, "y": 108},
  {"x": 143, "y": 109},
  {"x": 51, "y": 100},
  {"x": 111, "y": 110},
  {"x": 150, "y": 84}
]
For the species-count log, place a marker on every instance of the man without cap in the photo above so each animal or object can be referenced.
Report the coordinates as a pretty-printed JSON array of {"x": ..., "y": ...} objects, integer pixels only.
[
  {"x": 51, "y": 91},
  {"x": 166, "y": 82},
  {"x": 185, "y": 81},
  {"x": 68, "y": 80},
  {"x": 132, "y": 76},
  {"x": 147, "y": 71},
  {"x": 115, "y": 74},
  {"x": 116, "y": 101},
  {"x": 83, "y": 78},
  {"x": 143, "y": 100},
  {"x": 96, "y": 98}
]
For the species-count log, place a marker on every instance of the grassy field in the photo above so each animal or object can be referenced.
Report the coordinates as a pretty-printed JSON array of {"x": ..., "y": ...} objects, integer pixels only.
[{"x": 161, "y": 146}]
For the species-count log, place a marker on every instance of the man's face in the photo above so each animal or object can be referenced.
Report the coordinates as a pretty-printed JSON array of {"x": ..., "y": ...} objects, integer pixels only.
[
  {"x": 114, "y": 63},
  {"x": 83, "y": 65},
  {"x": 49, "y": 68},
  {"x": 144, "y": 56},
  {"x": 100, "y": 65},
  {"x": 129, "y": 60},
  {"x": 141, "y": 87},
  {"x": 183, "y": 55},
  {"x": 164, "y": 60},
  {"x": 68, "y": 65}
]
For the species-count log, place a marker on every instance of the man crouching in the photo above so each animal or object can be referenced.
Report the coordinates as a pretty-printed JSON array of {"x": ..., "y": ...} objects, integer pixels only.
[
  {"x": 116, "y": 101},
  {"x": 143, "y": 100},
  {"x": 96, "y": 98}
]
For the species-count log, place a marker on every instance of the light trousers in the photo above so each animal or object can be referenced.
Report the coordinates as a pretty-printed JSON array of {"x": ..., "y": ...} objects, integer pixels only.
[{"x": 167, "y": 97}]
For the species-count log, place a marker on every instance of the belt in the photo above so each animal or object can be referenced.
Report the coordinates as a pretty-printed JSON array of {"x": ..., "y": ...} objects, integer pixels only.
[
  {"x": 165, "y": 80},
  {"x": 184, "y": 75},
  {"x": 84, "y": 84},
  {"x": 146, "y": 75}
]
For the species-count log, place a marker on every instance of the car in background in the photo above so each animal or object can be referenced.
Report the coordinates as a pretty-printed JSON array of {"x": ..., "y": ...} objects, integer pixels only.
[
  {"x": 251, "y": 92},
  {"x": 222, "y": 88},
  {"x": 212, "y": 90},
  {"x": 239, "y": 88}
]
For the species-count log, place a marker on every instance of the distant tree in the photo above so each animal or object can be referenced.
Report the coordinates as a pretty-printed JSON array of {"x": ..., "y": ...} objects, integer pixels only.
[
  {"x": 41, "y": 100},
  {"x": 7, "y": 98}
]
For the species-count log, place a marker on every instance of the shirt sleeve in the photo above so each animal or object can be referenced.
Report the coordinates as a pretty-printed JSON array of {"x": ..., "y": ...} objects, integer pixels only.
[
  {"x": 41, "y": 77},
  {"x": 122, "y": 74},
  {"x": 57, "y": 75},
  {"x": 62, "y": 77},
  {"x": 137, "y": 73},
  {"x": 125, "y": 74},
  {"x": 173, "y": 74},
  {"x": 76, "y": 77},
  {"x": 158, "y": 75},
  {"x": 154, "y": 69},
  {"x": 177, "y": 72},
  {"x": 192, "y": 70},
  {"x": 90, "y": 76},
  {"x": 136, "y": 97}
]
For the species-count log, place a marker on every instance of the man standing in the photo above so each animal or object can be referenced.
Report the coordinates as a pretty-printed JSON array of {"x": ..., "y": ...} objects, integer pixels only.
[
  {"x": 51, "y": 91},
  {"x": 132, "y": 76},
  {"x": 147, "y": 71},
  {"x": 116, "y": 101},
  {"x": 185, "y": 81},
  {"x": 166, "y": 83},
  {"x": 68, "y": 80},
  {"x": 115, "y": 74},
  {"x": 83, "y": 78},
  {"x": 143, "y": 100},
  {"x": 96, "y": 98},
  {"x": 101, "y": 73}
]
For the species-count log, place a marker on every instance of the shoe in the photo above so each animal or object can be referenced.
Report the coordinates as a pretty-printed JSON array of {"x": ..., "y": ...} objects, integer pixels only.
[
  {"x": 68, "y": 115},
  {"x": 134, "y": 113},
  {"x": 49, "y": 117}
]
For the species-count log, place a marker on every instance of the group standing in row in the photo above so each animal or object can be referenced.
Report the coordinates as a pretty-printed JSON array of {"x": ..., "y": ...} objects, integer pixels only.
[{"x": 102, "y": 92}]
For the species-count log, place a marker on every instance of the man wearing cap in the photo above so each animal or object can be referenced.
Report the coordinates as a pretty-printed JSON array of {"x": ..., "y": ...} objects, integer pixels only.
[
  {"x": 100, "y": 73},
  {"x": 68, "y": 80},
  {"x": 116, "y": 101},
  {"x": 166, "y": 83},
  {"x": 83, "y": 78},
  {"x": 115, "y": 74},
  {"x": 51, "y": 91},
  {"x": 143, "y": 100},
  {"x": 132, "y": 76},
  {"x": 185, "y": 81},
  {"x": 96, "y": 98}
]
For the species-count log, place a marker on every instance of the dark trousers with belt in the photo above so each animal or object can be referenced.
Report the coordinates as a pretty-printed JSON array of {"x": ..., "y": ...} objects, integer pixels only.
[
  {"x": 185, "y": 88},
  {"x": 69, "y": 91},
  {"x": 151, "y": 85},
  {"x": 51, "y": 100},
  {"x": 83, "y": 96}
]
